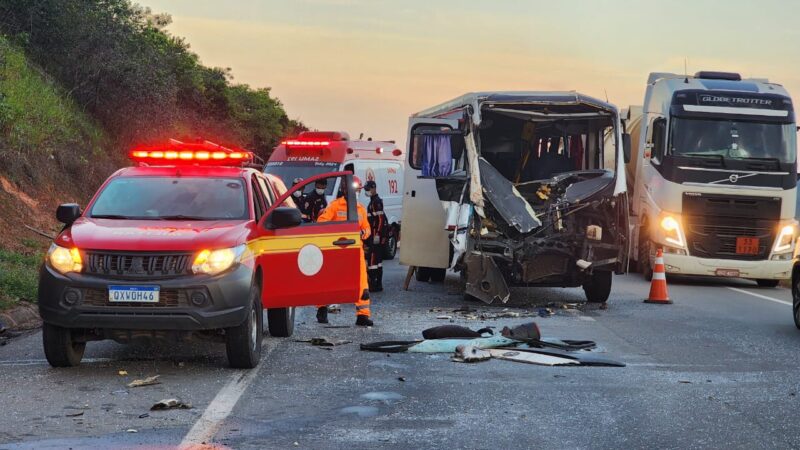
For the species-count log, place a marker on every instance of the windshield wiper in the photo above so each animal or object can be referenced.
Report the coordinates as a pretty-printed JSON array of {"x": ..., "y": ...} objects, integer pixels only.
[
  {"x": 704, "y": 155},
  {"x": 181, "y": 217},
  {"x": 765, "y": 159},
  {"x": 110, "y": 216}
]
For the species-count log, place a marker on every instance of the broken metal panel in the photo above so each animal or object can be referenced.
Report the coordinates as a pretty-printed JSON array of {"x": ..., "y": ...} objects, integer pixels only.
[
  {"x": 484, "y": 279},
  {"x": 581, "y": 190},
  {"x": 507, "y": 200},
  {"x": 475, "y": 191}
]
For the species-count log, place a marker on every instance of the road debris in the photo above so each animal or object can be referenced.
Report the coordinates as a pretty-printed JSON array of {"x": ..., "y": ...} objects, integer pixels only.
[
  {"x": 401, "y": 378},
  {"x": 144, "y": 382},
  {"x": 123, "y": 373},
  {"x": 170, "y": 403},
  {"x": 530, "y": 358},
  {"x": 526, "y": 331},
  {"x": 131, "y": 430},
  {"x": 75, "y": 414},
  {"x": 470, "y": 354},
  {"x": 444, "y": 317},
  {"x": 144, "y": 416},
  {"x": 453, "y": 331},
  {"x": 324, "y": 341}
]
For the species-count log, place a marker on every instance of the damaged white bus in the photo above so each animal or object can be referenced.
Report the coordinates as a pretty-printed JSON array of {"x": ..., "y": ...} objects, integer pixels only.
[{"x": 517, "y": 189}]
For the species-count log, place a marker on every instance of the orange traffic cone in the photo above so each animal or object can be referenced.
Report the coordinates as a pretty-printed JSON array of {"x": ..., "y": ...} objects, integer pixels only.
[{"x": 658, "y": 287}]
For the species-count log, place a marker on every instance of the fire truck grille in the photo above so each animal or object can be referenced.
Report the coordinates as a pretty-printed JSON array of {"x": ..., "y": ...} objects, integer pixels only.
[
  {"x": 168, "y": 298},
  {"x": 137, "y": 265}
]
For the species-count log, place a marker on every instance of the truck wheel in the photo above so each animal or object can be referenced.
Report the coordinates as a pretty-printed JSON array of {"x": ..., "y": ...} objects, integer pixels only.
[
  {"x": 644, "y": 259},
  {"x": 767, "y": 283},
  {"x": 390, "y": 250},
  {"x": 280, "y": 321},
  {"x": 438, "y": 275},
  {"x": 59, "y": 347},
  {"x": 423, "y": 274},
  {"x": 243, "y": 342},
  {"x": 598, "y": 288},
  {"x": 796, "y": 299}
]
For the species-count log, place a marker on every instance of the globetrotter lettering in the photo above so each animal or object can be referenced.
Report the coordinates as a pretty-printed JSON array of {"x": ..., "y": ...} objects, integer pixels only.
[{"x": 737, "y": 100}]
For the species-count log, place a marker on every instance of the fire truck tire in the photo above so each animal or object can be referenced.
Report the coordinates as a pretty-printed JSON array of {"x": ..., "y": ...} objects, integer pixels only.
[
  {"x": 243, "y": 342},
  {"x": 598, "y": 288},
  {"x": 280, "y": 321},
  {"x": 59, "y": 347},
  {"x": 390, "y": 250},
  {"x": 438, "y": 275},
  {"x": 767, "y": 283}
]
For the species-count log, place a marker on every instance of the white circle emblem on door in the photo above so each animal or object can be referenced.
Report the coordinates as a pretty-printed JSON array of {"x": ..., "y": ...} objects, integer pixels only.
[{"x": 309, "y": 260}]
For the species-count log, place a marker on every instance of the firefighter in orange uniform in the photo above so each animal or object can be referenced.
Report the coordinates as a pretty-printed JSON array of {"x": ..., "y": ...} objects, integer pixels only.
[{"x": 337, "y": 211}]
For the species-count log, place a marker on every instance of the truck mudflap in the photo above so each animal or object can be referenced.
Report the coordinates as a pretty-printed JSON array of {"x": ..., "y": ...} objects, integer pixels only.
[{"x": 484, "y": 279}]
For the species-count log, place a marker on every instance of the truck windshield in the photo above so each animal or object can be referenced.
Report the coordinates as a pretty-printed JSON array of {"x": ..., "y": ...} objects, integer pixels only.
[
  {"x": 733, "y": 139},
  {"x": 172, "y": 198},
  {"x": 289, "y": 171}
]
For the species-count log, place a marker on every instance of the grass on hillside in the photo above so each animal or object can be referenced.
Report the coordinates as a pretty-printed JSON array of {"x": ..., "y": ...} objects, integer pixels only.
[
  {"x": 34, "y": 115},
  {"x": 19, "y": 277}
]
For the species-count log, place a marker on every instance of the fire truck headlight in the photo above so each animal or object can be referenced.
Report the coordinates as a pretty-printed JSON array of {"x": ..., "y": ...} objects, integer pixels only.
[
  {"x": 64, "y": 260},
  {"x": 212, "y": 262},
  {"x": 785, "y": 238}
]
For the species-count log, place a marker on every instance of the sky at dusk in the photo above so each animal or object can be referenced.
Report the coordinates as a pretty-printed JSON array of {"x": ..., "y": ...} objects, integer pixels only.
[{"x": 366, "y": 65}]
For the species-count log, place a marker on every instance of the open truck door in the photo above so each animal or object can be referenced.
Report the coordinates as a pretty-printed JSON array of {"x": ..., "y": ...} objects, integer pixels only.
[
  {"x": 309, "y": 263},
  {"x": 426, "y": 242}
]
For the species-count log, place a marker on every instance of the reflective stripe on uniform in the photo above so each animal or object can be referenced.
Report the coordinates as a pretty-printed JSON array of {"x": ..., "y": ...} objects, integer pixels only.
[
  {"x": 379, "y": 213},
  {"x": 373, "y": 267}
]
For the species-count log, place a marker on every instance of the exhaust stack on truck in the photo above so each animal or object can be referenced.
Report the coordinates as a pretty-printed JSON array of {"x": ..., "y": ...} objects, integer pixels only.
[{"x": 712, "y": 177}]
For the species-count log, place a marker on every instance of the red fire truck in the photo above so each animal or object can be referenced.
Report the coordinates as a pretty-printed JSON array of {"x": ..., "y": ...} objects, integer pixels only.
[{"x": 191, "y": 242}]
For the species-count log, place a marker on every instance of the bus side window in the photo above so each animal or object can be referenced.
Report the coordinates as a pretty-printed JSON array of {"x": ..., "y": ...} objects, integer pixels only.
[{"x": 438, "y": 152}]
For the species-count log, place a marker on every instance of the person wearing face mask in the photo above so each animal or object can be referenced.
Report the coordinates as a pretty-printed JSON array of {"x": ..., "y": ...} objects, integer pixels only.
[
  {"x": 298, "y": 196},
  {"x": 315, "y": 202},
  {"x": 374, "y": 246}
]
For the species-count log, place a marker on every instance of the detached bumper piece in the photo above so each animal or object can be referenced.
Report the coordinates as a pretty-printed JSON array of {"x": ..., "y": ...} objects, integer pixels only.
[{"x": 485, "y": 280}]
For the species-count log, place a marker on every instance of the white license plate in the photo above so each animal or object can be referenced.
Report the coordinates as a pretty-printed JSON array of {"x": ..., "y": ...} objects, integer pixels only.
[
  {"x": 133, "y": 294},
  {"x": 727, "y": 272}
]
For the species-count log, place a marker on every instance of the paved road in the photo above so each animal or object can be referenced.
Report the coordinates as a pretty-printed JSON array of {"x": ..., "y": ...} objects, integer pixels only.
[{"x": 717, "y": 369}]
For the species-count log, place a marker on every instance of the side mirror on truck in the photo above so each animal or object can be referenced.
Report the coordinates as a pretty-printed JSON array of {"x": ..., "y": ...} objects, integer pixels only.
[
  {"x": 283, "y": 217},
  {"x": 626, "y": 147},
  {"x": 68, "y": 213}
]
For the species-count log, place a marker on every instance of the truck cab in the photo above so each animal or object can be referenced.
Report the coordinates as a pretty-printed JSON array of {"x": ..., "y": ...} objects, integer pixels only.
[{"x": 713, "y": 176}]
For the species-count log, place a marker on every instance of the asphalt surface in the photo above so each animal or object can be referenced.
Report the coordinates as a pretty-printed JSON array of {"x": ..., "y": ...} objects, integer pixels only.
[{"x": 718, "y": 368}]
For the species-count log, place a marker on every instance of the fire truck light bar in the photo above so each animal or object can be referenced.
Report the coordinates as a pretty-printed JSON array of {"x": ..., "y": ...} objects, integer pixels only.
[{"x": 177, "y": 152}]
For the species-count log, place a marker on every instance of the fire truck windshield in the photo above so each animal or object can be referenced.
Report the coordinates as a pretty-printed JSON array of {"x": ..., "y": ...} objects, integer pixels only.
[
  {"x": 289, "y": 171},
  {"x": 172, "y": 198}
]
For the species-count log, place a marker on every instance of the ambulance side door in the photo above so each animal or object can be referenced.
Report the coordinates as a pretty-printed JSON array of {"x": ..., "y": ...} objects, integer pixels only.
[{"x": 306, "y": 264}]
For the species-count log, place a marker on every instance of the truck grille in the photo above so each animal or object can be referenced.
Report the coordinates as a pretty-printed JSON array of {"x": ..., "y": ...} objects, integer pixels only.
[
  {"x": 137, "y": 265},
  {"x": 168, "y": 298},
  {"x": 709, "y": 240}
]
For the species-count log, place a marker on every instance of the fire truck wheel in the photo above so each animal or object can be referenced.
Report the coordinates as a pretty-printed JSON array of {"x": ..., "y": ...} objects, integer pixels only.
[
  {"x": 243, "y": 342},
  {"x": 280, "y": 321},
  {"x": 59, "y": 347},
  {"x": 598, "y": 288},
  {"x": 767, "y": 283}
]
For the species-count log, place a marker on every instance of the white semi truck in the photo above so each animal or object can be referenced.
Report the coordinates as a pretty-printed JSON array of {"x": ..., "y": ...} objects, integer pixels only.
[{"x": 712, "y": 178}]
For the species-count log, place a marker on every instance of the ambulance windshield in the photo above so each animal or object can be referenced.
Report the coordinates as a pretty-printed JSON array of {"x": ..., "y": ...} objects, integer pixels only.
[
  {"x": 289, "y": 171},
  {"x": 172, "y": 198}
]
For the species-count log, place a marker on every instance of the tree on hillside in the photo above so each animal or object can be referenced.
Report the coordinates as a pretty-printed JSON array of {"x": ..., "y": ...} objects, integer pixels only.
[{"x": 137, "y": 80}]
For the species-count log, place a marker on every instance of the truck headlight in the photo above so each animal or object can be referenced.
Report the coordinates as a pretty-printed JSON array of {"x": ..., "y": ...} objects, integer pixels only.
[
  {"x": 212, "y": 262},
  {"x": 64, "y": 260},
  {"x": 671, "y": 228},
  {"x": 785, "y": 238}
]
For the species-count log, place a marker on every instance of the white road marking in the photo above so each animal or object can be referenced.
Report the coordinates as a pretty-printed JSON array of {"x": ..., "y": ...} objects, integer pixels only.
[
  {"x": 43, "y": 362},
  {"x": 782, "y": 302},
  {"x": 219, "y": 409},
  {"x": 586, "y": 318}
]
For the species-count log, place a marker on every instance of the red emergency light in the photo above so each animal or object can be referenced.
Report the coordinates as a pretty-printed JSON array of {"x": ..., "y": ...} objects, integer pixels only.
[
  {"x": 177, "y": 152},
  {"x": 305, "y": 143}
]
